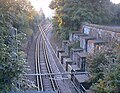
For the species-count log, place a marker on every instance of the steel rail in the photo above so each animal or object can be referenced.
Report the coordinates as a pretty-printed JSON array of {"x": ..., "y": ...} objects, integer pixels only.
[
  {"x": 48, "y": 66},
  {"x": 53, "y": 82},
  {"x": 73, "y": 73},
  {"x": 45, "y": 68},
  {"x": 39, "y": 81}
]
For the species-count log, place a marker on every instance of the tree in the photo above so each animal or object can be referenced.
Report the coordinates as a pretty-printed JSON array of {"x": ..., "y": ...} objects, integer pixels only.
[
  {"x": 69, "y": 14},
  {"x": 15, "y": 17},
  {"x": 104, "y": 68}
]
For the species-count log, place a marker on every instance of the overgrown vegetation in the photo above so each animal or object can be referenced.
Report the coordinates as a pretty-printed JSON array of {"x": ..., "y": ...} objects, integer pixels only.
[
  {"x": 69, "y": 14},
  {"x": 17, "y": 22},
  {"x": 104, "y": 66},
  {"x": 74, "y": 45}
]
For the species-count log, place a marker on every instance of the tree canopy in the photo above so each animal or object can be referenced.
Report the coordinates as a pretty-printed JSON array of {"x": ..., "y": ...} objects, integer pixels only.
[
  {"x": 104, "y": 68},
  {"x": 17, "y": 19},
  {"x": 69, "y": 14}
]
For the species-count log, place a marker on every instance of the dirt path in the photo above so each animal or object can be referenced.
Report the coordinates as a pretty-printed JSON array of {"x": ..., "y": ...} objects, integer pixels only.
[{"x": 30, "y": 57}]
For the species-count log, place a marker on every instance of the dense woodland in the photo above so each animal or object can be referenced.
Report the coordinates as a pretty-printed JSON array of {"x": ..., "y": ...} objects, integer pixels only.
[
  {"x": 18, "y": 21},
  {"x": 104, "y": 65},
  {"x": 70, "y": 14}
]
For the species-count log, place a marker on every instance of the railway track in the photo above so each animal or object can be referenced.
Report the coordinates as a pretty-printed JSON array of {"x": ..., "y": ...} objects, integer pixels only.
[
  {"x": 81, "y": 90},
  {"x": 42, "y": 65}
]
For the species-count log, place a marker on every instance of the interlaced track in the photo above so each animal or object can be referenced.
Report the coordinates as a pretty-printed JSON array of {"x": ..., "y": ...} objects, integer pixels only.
[{"x": 42, "y": 65}]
